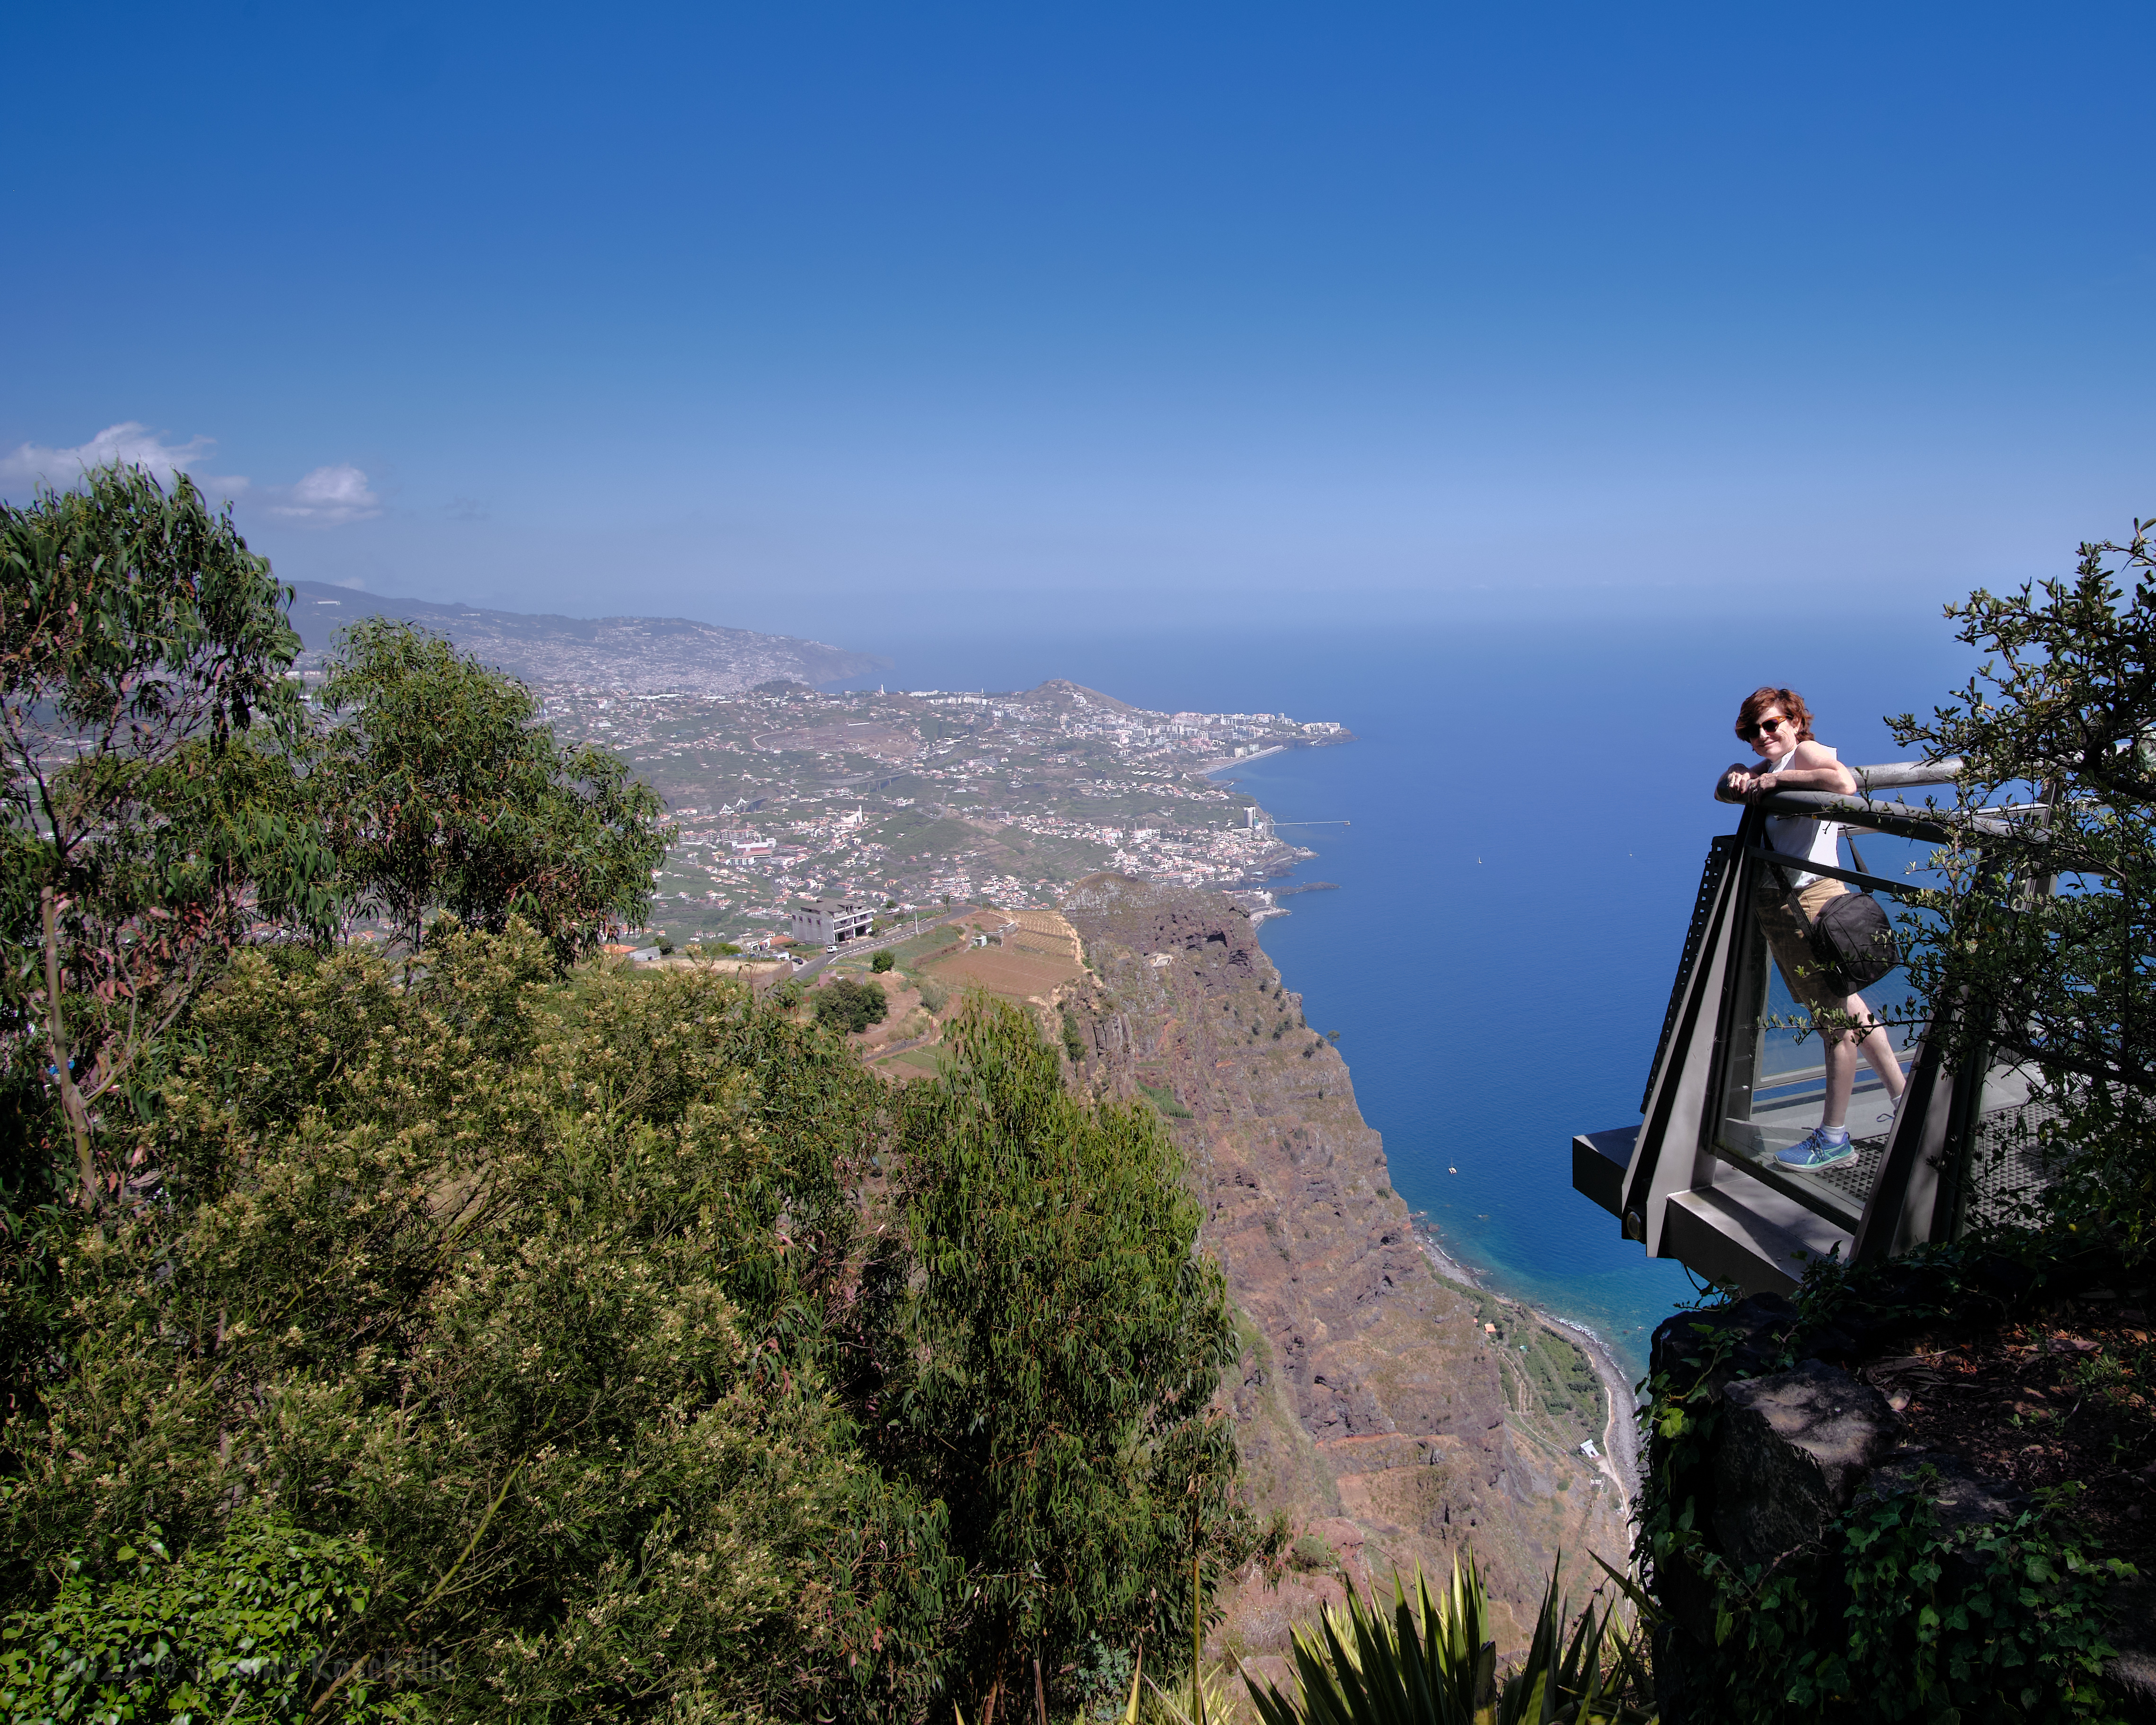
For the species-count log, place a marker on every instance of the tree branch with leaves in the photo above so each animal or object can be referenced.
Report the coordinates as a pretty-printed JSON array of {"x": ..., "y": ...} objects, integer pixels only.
[
  {"x": 439, "y": 787},
  {"x": 2045, "y": 932},
  {"x": 144, "y": 820}
]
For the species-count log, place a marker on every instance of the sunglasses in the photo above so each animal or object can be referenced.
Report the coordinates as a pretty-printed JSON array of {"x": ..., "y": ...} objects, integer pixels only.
[{"x": 1762, "y": 727}]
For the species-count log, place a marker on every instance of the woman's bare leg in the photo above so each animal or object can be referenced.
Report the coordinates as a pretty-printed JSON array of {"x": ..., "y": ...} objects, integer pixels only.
[
  {"x": 1841, "y": 1052},
  {"x": 1878, "y": 1048}
]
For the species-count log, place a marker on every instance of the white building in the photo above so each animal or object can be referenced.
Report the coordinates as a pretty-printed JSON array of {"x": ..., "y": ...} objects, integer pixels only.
[{"x": 827, "y": 922}]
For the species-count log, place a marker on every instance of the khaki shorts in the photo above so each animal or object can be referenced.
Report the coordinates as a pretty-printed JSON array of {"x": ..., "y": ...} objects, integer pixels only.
[{"x": 1793, "y": 953}]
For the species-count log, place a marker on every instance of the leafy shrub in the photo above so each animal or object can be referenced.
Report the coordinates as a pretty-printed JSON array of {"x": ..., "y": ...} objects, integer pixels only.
[
  {"x": 847, "y": 1005},
  {"x": 1890, "y": 1615},
  {"x": 1900, "y": 1617},
  {"x": 882, "y": 962},
  {"x": 933, "y": 994},
  {"x": 491, "y": 1272},
  {"x": 545, "y": 1308},
  {"x": 440, "y": 789},
  {"x": 1310, "y": 1552},
  {"x": 244, "y": 1630}
]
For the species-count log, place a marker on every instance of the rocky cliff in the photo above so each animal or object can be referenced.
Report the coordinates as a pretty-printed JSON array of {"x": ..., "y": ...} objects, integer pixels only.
[{"x": 1393, "y": 1413}]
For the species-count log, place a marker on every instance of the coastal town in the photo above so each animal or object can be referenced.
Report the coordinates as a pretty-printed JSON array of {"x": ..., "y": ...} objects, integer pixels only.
[{"x": 902, "y": 800}]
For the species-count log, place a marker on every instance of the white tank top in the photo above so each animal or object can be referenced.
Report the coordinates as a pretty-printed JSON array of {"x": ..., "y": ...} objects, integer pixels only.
[{"x": 1814, "y": 840}]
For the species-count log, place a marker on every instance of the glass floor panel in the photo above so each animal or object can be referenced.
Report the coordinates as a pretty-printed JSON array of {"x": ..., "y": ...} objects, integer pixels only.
[
  {"x": 1838, "y": 1193},
  {"x": 2007, "y": 1170}
]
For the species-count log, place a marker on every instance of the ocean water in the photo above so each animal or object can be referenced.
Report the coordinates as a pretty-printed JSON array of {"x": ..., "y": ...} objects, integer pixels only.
[{"x": 1527, "y": 809}]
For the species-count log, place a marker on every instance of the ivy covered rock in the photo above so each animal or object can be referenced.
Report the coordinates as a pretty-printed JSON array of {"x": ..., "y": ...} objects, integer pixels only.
[
  {"x": 1794, "y": 1449},
  {"x": 1810, "y": 1561}
]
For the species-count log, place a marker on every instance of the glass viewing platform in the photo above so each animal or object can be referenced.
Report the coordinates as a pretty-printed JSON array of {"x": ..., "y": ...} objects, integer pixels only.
[{"x": 1736, "y": 1077}]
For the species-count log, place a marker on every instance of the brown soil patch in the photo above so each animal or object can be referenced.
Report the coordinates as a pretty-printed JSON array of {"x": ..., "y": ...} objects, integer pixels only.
[
  {"x": 1003, "y": 970},
  {"x": 2063, "y": 1396},
  {"x": 914, "y": 1063}
]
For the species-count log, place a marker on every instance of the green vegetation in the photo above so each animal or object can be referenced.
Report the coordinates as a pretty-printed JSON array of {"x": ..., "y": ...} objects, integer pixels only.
[
  {"x": 1163, "y": 1098},
  {"x": 2065, "y": 705},
  {"x": 1310, "y": 1553},
  {"x": 915, "y": 832},
  {"x": 440, "y": 790},
  {"x": 1563, "y": 1377},
  {"x": 1068, "y": 1341},
  {"x": 1893, "y": 1613},
  {"x": 614, "y": 1218},
  {"x": 1073, "y": 1043},
  {"x": 932, "y": 944},
  {"x": 238, "y": 1631},
  {"x": 846, "y": 1005},
  {"x": 882, "y": 962},
  {"x": 568, "y": 1253},
  {"x": 459, "y": 1332},
  {"x": 150, "y": 814}
]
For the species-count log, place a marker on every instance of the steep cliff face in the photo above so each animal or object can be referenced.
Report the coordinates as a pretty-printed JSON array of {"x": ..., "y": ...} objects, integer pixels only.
[{"x": 1393, "y": 1413}]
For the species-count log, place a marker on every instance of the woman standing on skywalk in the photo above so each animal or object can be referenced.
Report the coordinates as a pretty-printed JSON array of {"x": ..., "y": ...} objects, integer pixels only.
[{"x": 1778, "y": 726}]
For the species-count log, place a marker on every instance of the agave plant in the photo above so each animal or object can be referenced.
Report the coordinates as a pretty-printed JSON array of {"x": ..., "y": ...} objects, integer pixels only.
[
  {"x": 1431, "y": 1661},
  {"x": 1209, "y": 1704}
]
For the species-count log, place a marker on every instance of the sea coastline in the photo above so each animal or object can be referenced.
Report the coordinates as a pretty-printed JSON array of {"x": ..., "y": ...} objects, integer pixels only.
[
  {"x": 1620, "y": 1444},
  {"x": 1227, "y": 763},
  {"x": 1446, "y": 1266}
]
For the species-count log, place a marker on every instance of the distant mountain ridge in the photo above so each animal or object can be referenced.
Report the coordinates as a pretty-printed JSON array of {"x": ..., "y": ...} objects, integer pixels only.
[{"x": 635, "y": 655}]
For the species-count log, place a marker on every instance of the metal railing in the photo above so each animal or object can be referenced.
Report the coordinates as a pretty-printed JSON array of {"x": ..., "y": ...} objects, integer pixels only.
[{"x": 1696, "y": 1179}]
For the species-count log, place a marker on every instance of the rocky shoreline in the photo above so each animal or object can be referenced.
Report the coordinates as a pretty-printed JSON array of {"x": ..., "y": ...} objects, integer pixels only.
[{"x": 1619, "y": 1440}]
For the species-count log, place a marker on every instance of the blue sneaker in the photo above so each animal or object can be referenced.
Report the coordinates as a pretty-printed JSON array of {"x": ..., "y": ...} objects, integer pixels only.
[{"x": 1817, "y": 1153}]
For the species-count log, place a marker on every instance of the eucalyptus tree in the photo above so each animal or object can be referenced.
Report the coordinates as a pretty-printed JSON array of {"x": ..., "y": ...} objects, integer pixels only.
[
  {"x": 1064, "y": 1339},
  {"x": 439, "y": 787},
  {"x": 147, "y": 819}
]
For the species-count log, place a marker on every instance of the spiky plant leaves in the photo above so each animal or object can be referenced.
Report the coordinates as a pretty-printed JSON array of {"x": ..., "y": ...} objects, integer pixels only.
[{"x": 1432, "y": 1663}]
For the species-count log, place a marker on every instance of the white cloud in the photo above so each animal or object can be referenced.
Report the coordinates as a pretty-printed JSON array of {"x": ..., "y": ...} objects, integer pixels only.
[
  {"x": 328, "y": 497},
  {"x": 132, "y": 444}
]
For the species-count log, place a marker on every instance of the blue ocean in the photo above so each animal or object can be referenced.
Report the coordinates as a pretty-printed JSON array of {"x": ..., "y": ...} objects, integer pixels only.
[{"x": 1526, "y": 809}]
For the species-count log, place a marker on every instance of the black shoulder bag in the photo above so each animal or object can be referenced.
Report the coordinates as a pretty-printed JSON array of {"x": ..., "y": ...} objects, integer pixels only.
[{"x": 1850, "y": 939}]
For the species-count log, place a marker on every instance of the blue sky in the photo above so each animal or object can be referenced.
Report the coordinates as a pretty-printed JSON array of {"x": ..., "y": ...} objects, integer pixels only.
[{"x": 851, "y": 321}]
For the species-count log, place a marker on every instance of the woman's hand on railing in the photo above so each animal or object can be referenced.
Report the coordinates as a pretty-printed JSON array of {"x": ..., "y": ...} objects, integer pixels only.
[{"x": 1738, "y": 784}]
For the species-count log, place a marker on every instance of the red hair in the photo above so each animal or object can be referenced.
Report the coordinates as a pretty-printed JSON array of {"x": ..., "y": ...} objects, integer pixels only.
[{"x": 1791, "y": 703}]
